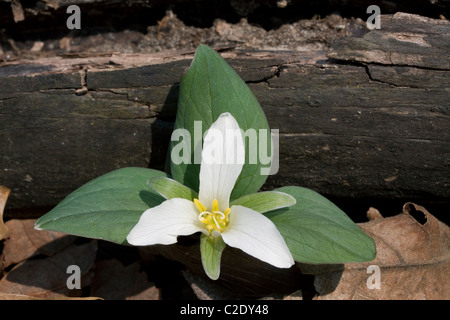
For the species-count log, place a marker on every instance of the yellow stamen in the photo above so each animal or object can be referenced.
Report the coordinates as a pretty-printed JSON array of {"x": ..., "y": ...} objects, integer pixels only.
[
  {"x": 199, "y": 205},
  {"x": 215, "y": 205},
  {"x": 214, "y": 219}
]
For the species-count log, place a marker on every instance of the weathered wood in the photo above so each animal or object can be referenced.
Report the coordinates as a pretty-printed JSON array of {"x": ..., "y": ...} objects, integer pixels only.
[
  {"x": 17, "y": 10},
  {"x": 403, "y": 39},
  {"x": 349, "y": 127}
]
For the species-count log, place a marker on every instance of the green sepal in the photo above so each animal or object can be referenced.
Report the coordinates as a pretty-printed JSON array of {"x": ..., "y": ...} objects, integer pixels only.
[
  {"x": 265, "y": 201},
  {"x": 211, "y": 249},
  {"x": 169, "y": 188}
]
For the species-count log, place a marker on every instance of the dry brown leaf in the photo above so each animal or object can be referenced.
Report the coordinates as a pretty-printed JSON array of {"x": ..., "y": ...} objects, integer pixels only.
[
  {"x": 413, "y": 256},
  {"x": 47, "y": 277},
  {"x": 413, "y": 260},
  {"x": 116, "y": 282},
  {"x": 24, "y": 241},
  {"x": 373, "y": 214},
  {"x": 4, "y": 193}
]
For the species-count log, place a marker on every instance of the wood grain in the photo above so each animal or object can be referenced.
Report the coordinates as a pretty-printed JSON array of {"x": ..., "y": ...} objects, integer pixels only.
[{"x": 368, "y": 118}]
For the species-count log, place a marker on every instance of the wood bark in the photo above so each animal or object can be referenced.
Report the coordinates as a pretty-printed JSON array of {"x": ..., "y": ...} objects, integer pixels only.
[{"x": 368, "y": 118}]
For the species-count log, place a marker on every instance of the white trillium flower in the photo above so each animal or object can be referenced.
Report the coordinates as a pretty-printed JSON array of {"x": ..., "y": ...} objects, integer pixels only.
[{"x": 223, "y": 156}]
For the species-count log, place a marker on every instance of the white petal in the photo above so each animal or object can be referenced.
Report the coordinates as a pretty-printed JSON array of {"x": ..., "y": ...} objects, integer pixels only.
[
  {"x": 257, "y": 236},
  {"x": 223, "y": 156},
  {"x": 162, "y": 224}
]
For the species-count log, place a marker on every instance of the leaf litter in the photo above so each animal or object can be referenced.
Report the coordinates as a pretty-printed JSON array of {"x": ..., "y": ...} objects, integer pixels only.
[{"x": 413, "y": 259}]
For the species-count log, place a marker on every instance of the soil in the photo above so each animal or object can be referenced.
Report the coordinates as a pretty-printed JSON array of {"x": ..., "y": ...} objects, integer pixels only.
[
  {"x": 171, "y": 33},
  {"x": 32, "y": 29}
]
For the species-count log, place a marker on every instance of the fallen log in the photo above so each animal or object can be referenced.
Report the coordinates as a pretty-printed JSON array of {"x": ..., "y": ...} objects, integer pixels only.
[{"x": 368, "y": 118}]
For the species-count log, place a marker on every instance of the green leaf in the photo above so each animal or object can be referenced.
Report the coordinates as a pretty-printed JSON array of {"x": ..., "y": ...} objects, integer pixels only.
[
  {"x": 107, "y": 207},
  {"x": 169, "y": 188},
  {"x": 210, "y": 88},
  {"x": 317, "y": 231},
  {"x": 211, "y": 251},
  {"x": 265, "y": 201}
]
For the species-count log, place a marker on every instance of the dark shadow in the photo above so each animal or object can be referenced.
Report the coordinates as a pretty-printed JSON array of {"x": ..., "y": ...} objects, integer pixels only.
[
  {"x": 42, "y": 23},
  {"x": 241, "y": 277},
  {"x": 270, "y": 15},
  {"x": 161, "y": 131},
  {"x": 150, "y": 199},
  {"x": 326, "y": 278},
  {"x": 108, "y": 271},
  {"x": 201, "y": 14},
  {"x": 419, "y": 215},
  {"x": 258, "y": 279},
  {"x": 44, "y": 273},
  {"x": 168, "y": 279},
  {"x": 96, "y": 18}
]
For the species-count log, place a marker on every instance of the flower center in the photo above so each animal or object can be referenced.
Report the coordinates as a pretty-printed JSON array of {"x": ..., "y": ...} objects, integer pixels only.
[{"x": 214, "y": 219}]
